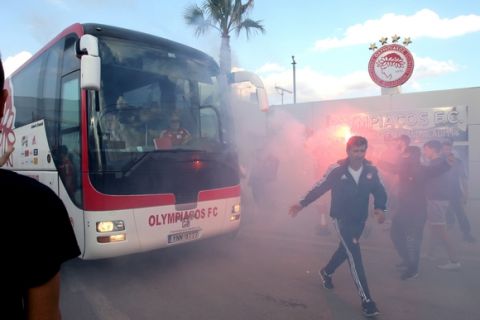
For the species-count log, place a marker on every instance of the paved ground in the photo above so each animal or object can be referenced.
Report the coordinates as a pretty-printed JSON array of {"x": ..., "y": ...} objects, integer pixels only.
[{"x": 268, "y": 272}]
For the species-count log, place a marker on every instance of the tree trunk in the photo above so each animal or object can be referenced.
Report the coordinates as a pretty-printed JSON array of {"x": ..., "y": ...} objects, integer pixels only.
[
  {"x": 225, "y": 69},
  {"x": 225, "y": 56}
]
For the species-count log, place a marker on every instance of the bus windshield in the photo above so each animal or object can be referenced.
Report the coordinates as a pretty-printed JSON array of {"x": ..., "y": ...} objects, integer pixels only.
[{"x": 154, "y": 102}]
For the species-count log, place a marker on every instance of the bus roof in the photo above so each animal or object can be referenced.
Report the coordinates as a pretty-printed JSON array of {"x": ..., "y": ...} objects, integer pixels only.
[{"x": 100, "y": 30}]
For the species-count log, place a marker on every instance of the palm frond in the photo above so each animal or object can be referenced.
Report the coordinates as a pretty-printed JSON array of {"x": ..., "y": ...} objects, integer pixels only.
[
  {"x": 195, "y": 16},
  {"x": 250, "y": 25},
  {"x": 215, "y": 9},
  {"x": 239, "y": 13}
]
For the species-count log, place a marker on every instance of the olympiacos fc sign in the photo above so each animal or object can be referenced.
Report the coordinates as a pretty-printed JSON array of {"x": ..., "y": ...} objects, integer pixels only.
[{"x": 391, "y": 65}]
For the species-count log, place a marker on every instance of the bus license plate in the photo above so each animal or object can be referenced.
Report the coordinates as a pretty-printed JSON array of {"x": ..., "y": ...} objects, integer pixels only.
[{"x": 183, "y": 236}]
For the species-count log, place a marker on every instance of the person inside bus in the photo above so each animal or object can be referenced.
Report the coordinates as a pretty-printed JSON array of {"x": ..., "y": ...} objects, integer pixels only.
[
  {"x": 121, "y": 103},
  {"x": 121, "y": 132},
  {"x": 66, "y": 170},
  {"x": 153, "y": 120},
  {"x": 32, "y": 265},
  {"x": 174, "y": 135},
  {"x": 112, "y": 127}
]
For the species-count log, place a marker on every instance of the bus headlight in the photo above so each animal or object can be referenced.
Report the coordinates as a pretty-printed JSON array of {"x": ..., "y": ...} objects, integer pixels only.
[
  {"x": 109, "y": 226},
  {"x": 236, "y": 208},
  {"x": 112, "y": 238},
  {"x": 235, "y": 217},
  {"x": 235, "y": 212}
]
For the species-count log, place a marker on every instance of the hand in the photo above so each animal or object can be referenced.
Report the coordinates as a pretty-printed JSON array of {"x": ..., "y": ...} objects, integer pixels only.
[
  {"x": 379, "y": 215},
  {"x": 294, "y": 210}
]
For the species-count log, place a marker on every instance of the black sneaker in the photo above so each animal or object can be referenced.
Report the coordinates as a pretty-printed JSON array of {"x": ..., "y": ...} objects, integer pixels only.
[
  {"x": 326, "y": 279},
  {"x": 409, "y": 274},
  {"x": 370, "y": 309}
]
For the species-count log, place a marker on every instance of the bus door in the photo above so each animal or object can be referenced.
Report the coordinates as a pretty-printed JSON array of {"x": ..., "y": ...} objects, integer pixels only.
[{"x": 68, "y": 152}]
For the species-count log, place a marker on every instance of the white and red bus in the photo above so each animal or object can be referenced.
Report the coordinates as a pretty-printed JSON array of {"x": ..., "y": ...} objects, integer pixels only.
[{"x": 86, "y": 116}]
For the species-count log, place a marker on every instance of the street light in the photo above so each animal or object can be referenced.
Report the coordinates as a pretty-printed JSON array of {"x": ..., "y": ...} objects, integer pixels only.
[
  {"x": 282, "y": 91},
  {"x": 294, "y": 81}
]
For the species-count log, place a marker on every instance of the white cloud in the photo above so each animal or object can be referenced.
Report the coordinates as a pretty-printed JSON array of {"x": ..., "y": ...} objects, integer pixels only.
[
  {"x": 424, "y": 23},
  {"x": 10, "y": 64},
  {"x": 426, "y": 67},
  {"x": 313, "y": 85},
  {"x": 270, "y": 67}
]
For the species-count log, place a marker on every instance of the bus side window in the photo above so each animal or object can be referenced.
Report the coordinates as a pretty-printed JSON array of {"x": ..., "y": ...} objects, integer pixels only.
[
  {"x": 26, "y": 87},
  {"x": 70, "y": 136}
]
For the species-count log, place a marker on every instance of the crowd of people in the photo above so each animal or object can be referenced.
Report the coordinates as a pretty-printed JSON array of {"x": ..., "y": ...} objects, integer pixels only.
[
  {"x": 431, "y": 192},
  {"x": 429, "y": 189}
]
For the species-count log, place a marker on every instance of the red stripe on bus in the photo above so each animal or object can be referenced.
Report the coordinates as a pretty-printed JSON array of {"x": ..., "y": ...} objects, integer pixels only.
[
  {"x": 222, "y": 193},
  {"x": 97, "y": 201}
]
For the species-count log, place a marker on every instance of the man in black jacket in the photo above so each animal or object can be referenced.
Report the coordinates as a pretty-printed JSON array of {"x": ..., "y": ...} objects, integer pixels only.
[
  {"x": 351, "y": 182},
  {"x": 409, "y": 219},
  {"x": 37, "y": 239}
]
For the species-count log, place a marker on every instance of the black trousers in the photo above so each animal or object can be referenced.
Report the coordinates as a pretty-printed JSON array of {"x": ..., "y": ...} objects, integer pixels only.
[
  {"x": 349, "y": 249},
  {"x": 406, "y": 233}
]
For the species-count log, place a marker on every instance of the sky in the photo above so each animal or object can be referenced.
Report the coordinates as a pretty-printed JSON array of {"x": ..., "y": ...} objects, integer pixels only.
[{"x": 329, "y": 39}]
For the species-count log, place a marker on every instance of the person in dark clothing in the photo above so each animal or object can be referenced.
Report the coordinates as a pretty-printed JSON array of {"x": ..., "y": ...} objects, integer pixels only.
[
  {"x": 38, "y": 237},
  {"x": 409, "y": 220},
  {"x": 394, "y": 154},
  {"x": 438, "y": 196},
  {"x": 351, "y": 181},
  {"x": 458, "y": 193}
]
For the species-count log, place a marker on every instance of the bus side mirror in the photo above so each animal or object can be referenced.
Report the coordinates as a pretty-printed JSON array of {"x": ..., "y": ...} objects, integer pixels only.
[
  {"x": 245, "y": 76},
  {"x": 90, "y": 73},
  {"x": 262, "y": 99},
  {"x": 90, "y": 63}
]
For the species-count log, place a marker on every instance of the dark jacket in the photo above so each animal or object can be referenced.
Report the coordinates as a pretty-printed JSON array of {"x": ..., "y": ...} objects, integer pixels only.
[
  {"x": 349, "y": 200},
  {"x": 412, "y": 181},
  {"x": 438, "y": 188}
]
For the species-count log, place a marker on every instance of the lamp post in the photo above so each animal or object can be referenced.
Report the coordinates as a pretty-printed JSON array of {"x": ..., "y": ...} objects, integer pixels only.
[
  {"x": 282, "y": 91},
  {"x": 294, "y": 81}
]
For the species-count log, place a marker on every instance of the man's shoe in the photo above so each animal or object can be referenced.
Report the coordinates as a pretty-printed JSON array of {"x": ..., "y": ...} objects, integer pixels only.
[
  {"x": 409, "y": 274},
  {"x": 401, "y": 265},
  {"x": 370, "y": 309},
  {"x": 326, "y": 279},
  {"x": 450, "y": 266}
]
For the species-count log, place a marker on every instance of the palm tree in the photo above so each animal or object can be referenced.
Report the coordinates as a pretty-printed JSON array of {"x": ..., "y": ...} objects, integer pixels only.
[{"x": 225, "y": 16}]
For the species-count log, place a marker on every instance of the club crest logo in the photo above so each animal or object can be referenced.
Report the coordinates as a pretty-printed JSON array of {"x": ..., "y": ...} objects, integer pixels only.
[{"x": 391, "y": 65}]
